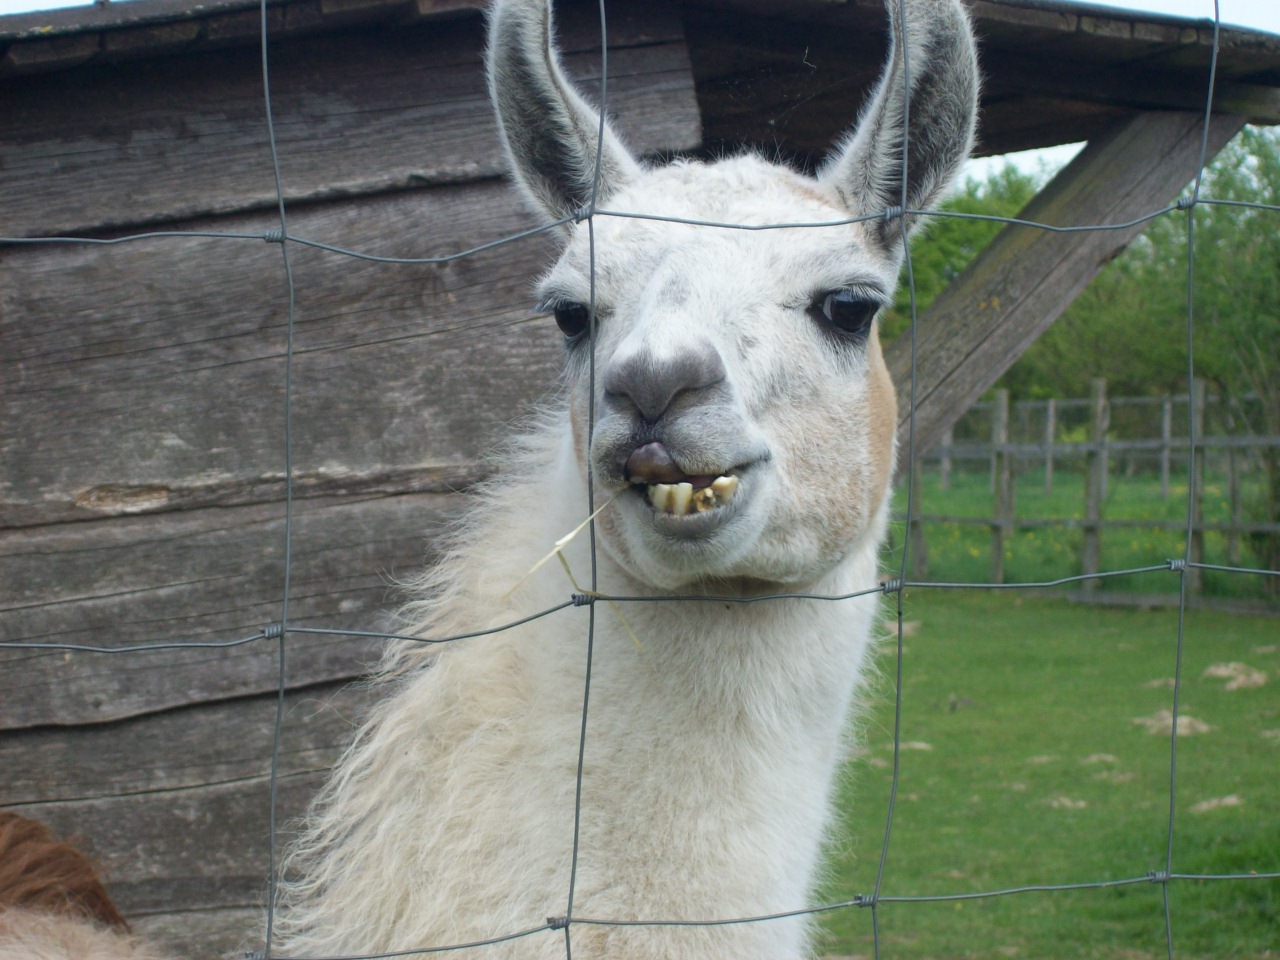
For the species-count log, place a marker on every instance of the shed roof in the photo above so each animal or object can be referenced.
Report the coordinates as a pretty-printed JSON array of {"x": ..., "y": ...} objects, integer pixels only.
[{"x": 774, "y": 72}]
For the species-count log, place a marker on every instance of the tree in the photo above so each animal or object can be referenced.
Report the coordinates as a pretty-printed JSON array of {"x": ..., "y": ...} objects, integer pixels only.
[{"x": 941, "y": 251}]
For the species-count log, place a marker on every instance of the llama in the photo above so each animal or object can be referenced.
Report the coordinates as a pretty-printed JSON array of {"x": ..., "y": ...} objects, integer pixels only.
[
  {"x": 726, "y": 399},
  {"x": 53, "y": 906},
  {"x": 726, "y": 405}
]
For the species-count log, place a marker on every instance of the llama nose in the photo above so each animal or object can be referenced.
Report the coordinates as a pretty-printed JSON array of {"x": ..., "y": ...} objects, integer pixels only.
[{"x": 650, "y": 383}]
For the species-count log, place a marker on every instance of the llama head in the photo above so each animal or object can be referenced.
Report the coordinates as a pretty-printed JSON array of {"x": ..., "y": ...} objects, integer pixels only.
[{"x": 729, "y": 383}]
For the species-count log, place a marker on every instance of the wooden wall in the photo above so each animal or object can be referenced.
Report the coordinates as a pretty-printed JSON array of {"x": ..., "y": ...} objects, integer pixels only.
[{"x": 141, "y": 413}]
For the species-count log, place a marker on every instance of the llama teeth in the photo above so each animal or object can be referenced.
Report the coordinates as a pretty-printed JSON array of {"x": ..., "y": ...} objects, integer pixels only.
[
  {"x": 660, "y": 496},
  {"x": 724, "y": 488},
  {"x": 681, "y": 495},
  {"x": 680, "y": 499},
  {"x": 703, "y": 500}
]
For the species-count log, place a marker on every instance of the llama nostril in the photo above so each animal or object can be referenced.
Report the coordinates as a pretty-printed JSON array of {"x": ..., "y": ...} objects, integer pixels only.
[
  {"x": 651, "y": 384},
  {"x": 652, "y": 463}
]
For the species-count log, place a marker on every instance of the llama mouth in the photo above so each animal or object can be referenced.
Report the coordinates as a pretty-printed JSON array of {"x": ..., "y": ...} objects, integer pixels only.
[{"x": 696, "y": 495}]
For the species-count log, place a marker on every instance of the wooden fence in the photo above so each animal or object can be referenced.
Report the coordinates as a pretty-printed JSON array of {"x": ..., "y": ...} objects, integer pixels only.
[{"x": 1099, "y": 437}]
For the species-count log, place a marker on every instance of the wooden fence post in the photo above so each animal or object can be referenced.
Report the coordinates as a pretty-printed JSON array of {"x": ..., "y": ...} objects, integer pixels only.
[
  {"x": 1233, "y": 496},
  {"x": 1166, "y": 439},
  {"x": 1233, "y": 486},
  {"x": 1195, "y": 576},
  {"x": 919, "y": 548},
  {"x": 944, "y": 464},
  {"x": 915, "y": 543},
  {"x": 999, "y": 427},
  {"x": 1002, "y": 480},
  {"x": 1095, "y": 481},
  {"x": 1050, "y": 434}
]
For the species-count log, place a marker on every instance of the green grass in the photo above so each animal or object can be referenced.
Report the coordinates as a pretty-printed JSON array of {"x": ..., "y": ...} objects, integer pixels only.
[
  {"x": 963, "y": 552},
  {"x": 1036, "y": 773}
]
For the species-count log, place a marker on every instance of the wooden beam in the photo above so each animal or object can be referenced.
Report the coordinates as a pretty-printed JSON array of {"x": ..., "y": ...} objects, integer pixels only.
[{"x": 1014, "y": 290}]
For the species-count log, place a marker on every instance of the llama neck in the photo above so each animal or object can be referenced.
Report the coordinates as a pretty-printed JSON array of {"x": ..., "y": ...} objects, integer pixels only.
[
  {"x": 766, "y": 671},
  {"x": 743, "y": 706},
  {"x": 712, "y": 735}
]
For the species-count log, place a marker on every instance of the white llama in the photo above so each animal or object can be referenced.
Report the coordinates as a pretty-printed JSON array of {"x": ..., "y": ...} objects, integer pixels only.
[{"x": 742, "y": 432}]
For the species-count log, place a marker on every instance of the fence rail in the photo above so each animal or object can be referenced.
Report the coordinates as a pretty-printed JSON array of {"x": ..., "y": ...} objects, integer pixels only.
[{"x": 1008, "y": 457}]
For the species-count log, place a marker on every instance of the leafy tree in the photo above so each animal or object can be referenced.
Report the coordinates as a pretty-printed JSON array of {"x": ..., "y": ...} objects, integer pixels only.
[{"x": 939, "y": 253}]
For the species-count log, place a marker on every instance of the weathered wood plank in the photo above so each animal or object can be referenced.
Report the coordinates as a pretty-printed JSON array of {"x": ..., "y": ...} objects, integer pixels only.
[
  {"x": 198, "y": 849},
  {"x": 150, "y": 376},
  {"x": 168, "y": 138},
  {"x": 226, "y": 933},
  {"x": 174, "y": 805},
  {"x": 1022, "y": 282},
  {"x": 197, "y": 576},
  {"x": 222, "y": 742}
]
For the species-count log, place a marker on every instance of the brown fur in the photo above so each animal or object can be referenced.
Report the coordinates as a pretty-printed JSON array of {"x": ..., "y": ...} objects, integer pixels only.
[
  {"x": 882, "y": 402},
  {"x": 44, "y": 874},
  {"x": 53, "y": 905}
]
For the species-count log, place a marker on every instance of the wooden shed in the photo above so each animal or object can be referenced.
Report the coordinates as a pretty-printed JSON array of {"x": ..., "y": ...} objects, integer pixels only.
[{"x": 142, "y": 383}]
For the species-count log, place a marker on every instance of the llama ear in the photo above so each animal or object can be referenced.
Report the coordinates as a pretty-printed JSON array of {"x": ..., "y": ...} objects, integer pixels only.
[
  {"x": 941, "y": 104},
  {"x": 549, "y": 132}
]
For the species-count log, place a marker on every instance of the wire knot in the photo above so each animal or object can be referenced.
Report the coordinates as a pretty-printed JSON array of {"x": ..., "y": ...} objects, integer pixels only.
[
  {"x": 1177, "y": 563},
  {"x": 892, "y": 213},
  {"x": 582, "y": 213},
  {"x": 583, "y": 599},
  {"x": 557, "y": 923},
  {"x": 1186, "y": 203},
  {"x": 273, "y": 236},
  {"x": 864, "y": 899},
  {"x": 1158, "y": 876},
  {"x": 273, "y": 631},
  {"x": 254, "y": 955},
  {"x": 891, "y": 586}
]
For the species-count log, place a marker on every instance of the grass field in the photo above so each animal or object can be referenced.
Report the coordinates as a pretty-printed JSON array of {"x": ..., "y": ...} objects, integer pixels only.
[
  {"x": 1036, "y": 751},
  {"x": 963, "y": 553}
]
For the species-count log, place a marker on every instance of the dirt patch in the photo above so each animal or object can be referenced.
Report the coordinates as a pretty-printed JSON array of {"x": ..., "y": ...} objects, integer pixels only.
[
  {"x": 1161, "y": 722},
  {"x": 1100, "y": 758},
  {"x": 1204, "y": 806},
  {"x": 1239, "y": 676},
  {"x": 1061, "y": 802}
]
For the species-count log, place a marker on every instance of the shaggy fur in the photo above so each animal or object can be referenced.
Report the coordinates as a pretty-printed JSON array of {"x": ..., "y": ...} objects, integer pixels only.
[
  {"x": 715, "y": 728},
  {"x": 53, "y": 906}
]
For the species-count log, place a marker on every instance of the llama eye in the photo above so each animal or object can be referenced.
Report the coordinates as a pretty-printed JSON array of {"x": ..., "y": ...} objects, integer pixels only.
[
  {"x": 573, "y": 319},
  {"x": 850, "y": 312}
]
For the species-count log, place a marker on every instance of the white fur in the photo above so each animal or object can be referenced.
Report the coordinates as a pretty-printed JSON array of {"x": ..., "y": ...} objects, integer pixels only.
[
  {"x": 711, "y": 745},
  {"x": 36, "y": 935}
]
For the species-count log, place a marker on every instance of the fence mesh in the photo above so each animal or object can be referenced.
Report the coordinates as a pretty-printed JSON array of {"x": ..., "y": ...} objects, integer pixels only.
[{"x": 1163, "y": 874}]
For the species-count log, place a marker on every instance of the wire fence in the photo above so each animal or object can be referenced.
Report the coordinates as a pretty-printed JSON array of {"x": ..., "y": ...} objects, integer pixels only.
[{"x": 1163, "y": 874}]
